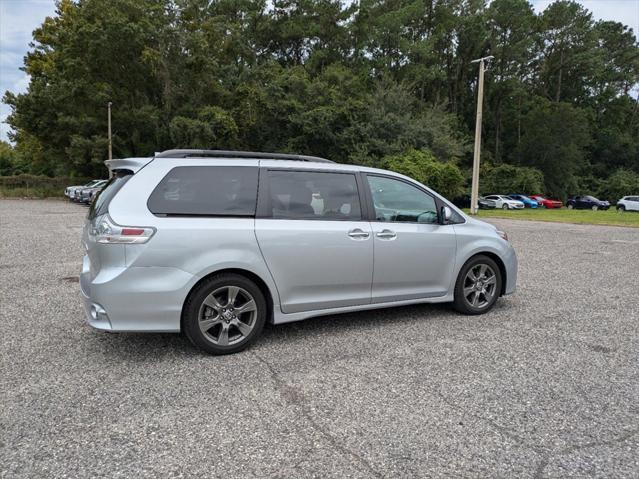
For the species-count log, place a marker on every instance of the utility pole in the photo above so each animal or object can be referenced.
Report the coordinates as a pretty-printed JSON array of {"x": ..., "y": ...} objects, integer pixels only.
[
  {"x": 474, "y": 194},
  {"x": 110, "y": 143}
]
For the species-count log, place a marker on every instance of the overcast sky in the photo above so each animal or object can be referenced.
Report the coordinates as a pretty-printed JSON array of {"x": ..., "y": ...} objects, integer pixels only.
[{"x": 18, "y": 18}]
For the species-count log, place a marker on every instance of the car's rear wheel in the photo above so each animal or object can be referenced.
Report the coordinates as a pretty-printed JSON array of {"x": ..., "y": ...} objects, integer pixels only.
[
  {"x": 478, "y": 286},
  {"x": 569, "y": 206},
  {"x": 224, "y": 314}
]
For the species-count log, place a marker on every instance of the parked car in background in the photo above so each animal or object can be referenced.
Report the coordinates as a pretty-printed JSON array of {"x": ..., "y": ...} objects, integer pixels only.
[
  {"x": 464, "y": 202},
  {"x": 485, "y": 204},
  {"x": 87, "y": 194},
  {"x": 528, "y": 202},
  {"x": 628, "y": 203},
  {"x": 587, "y": 203},
  {"x": 70, "y": 191},
  {"x": 546, "y": 202},
  {"x": 505, "y": 202},
  {"x": 186, "y": 241}
]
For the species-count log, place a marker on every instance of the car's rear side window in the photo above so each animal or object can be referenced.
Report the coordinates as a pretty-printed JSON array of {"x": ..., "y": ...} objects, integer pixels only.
[
  {"x": 313, "y": 195},
  {"x": 206, "y": 191},
  {"x": 100, "y": 205}
]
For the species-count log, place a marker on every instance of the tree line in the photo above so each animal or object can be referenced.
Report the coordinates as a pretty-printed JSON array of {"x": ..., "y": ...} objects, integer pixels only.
[{"x": 376, "y": 82}]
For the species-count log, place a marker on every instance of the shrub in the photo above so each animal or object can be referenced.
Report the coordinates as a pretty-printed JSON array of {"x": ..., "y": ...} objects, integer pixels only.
[
  {"x": 443, "y": 177},
  {"x": 506, "y": 179},
  {"x": 37, "y": 186},
  {"x": 621, "y": 183}
]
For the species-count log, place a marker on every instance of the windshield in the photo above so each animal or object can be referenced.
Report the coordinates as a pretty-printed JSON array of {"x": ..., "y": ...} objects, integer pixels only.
[{"x": 101, "y": 203}]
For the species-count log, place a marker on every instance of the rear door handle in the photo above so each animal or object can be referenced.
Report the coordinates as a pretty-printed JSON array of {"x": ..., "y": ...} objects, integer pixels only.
[
  {"x": 386, "y": 234},
  {"x": 358, "y": 234}
]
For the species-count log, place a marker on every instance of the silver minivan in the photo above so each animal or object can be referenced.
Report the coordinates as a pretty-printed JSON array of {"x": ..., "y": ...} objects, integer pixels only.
[{"x": 216, "y": 243}]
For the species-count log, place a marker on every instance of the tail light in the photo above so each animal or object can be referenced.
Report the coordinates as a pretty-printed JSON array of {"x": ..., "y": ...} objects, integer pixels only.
[{"x": 105, "y": 230}]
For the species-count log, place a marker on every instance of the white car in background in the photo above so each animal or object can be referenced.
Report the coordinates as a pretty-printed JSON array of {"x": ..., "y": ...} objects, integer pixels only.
[
  {"x": 628, "y": 203},
  {"x": 505, "y": 202}
]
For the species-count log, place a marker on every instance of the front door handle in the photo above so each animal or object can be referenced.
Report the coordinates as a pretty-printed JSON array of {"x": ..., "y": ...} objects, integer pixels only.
[
  {"x": 358, "y": 234},
  {"x": 386, "y": 234}
]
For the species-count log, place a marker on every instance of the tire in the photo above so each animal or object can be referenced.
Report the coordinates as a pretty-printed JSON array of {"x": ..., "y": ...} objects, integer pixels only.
[
  {"x": 569, "y": 206},
  {"x": 595, "y": 208},
  {"x": 230, "y": 329},
  {"x": 464, "y": 296},
  {"x": 504, "y": 207},
  {"x": 621, "y": 209}
]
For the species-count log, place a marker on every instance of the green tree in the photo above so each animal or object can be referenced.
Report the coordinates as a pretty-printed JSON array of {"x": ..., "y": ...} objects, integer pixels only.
[
  {"x": 7, "y": 159},
  {"x": 555, "y": 137}
]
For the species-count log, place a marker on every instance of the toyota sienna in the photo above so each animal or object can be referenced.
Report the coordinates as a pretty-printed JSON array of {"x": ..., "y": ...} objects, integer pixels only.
[{"x": 216, "y": 243}]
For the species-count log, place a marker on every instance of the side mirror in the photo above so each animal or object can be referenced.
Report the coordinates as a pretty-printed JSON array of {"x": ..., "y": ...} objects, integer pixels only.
[{"x": 447, "y": 214}]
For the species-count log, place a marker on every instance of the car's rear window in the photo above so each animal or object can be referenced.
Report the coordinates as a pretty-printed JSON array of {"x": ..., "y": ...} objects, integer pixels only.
[
  {"x": 101, "y": 203},
  {"x": 206, "y": 191}
]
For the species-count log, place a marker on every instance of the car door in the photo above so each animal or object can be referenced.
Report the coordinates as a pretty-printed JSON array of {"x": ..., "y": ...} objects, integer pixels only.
[
  {"x": 414, "y": 253},
  {"x": 314, "y": 236},
  {"x": 498, "y": 201}
]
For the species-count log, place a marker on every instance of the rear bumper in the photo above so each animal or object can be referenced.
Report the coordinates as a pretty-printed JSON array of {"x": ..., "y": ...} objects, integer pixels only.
[{"x": 135, "y": 299}]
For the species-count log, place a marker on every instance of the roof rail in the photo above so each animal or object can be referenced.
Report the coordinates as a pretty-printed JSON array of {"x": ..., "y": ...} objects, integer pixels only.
[{"x": 237, "y": 154}]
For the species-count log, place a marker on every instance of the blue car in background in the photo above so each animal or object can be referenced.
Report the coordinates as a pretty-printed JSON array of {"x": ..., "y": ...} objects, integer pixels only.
[{"x": 528, "y": 202}]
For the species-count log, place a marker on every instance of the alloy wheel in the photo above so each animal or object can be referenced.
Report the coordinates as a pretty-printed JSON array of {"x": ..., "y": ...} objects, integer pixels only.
[
  {"x": 227, "y": 315},
  {"x": 480, "y": 286}
]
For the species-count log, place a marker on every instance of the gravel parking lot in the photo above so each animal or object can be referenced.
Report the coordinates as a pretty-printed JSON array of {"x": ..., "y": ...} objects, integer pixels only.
[{"x": 547, "y": 385}]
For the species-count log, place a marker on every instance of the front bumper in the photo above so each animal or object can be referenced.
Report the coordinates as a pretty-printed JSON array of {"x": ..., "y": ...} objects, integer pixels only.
[{"x": 511, "y": 266}]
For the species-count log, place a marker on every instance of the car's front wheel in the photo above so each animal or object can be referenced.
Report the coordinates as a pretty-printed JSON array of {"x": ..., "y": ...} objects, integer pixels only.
[
  {"x": 621, "y": 209},
  {"x": 505, "y": 207},
  {"x": 224, "y": 314},
  {"x": 478, "y": 286},
  {"x": 595, "y": 207}
]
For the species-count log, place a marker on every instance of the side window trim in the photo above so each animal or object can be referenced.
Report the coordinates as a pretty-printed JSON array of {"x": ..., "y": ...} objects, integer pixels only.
[
  {"x": 371, "y": 205},
  {"x": 264, "y": 206}
]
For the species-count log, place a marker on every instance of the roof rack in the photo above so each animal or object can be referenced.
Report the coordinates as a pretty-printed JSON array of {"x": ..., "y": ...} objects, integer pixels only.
[{"x": 237, "y": 154}]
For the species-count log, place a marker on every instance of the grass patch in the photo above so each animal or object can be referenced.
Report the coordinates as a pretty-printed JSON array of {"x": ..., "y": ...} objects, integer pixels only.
[{"x": 587, "y": 217}]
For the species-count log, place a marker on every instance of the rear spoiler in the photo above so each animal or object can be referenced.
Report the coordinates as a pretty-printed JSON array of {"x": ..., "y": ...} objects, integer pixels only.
[{"x": 131, "y": 164}]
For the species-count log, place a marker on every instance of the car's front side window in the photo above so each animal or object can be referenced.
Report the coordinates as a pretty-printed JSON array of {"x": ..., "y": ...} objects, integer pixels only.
[{"x": 398, "y": 201}]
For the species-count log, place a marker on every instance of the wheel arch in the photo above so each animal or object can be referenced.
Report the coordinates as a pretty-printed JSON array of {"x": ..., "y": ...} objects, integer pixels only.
[
  {"x": 259, "y": 282},
  {"x": 498, "y": 261}
]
